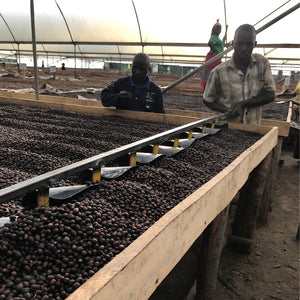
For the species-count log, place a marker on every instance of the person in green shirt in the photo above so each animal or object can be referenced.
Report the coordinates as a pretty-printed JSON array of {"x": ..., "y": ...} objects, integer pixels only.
[{"x": 216, "y": 46}]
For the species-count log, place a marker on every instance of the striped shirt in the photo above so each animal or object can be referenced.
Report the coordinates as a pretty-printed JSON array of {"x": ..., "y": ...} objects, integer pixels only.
[{"x": 229, "y": 85}]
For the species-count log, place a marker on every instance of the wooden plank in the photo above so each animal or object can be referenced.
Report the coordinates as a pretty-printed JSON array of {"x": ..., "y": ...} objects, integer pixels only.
[
  {"x": 289, "y": 117},
  {"x": 212, "y": 247},
  {"x": 50, "y": 98},
  {"x": 266, "y": 205},
  {"x": 283, "y": 126},
  {"x": 137, "y": 271},
  {"x": 191, "y": 113}
]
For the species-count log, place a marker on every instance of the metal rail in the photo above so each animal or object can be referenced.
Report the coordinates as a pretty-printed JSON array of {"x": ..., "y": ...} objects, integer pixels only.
[
  {"x": 36, "y": 80},
  {"x": 46, "y": 179}
]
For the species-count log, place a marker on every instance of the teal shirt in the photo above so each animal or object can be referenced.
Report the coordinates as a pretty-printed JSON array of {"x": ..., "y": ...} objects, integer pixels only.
[{"x": 217, "y": 43}]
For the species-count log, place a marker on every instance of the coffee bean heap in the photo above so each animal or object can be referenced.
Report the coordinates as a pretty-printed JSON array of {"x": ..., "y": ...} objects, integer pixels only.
[
  {"x": 9, "y": 177},
  {"x": 48, "y": 252},
  {"x": 53, "y": 250}
]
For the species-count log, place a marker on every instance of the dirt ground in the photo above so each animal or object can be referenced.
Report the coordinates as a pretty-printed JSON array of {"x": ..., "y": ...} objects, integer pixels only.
[{"x": 271, "y": 270}]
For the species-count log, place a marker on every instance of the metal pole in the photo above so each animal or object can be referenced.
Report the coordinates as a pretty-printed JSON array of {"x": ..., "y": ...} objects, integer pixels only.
[
  {"x": 278, "y": 18},
  {"x": 140, "y": 31},
  {"x": 36, "y": 83},
  {"x": 197, "y": 69},
  {"x": 19, "y": 56},
  {"x": 229, "y": 49},
  {"x": 75, "y": 60}
]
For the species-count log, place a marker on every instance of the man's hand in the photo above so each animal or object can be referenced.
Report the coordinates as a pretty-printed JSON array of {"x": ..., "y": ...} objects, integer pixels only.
[
  {"x": 123, "y": 99},
  {"x": 237, "y": 109}
]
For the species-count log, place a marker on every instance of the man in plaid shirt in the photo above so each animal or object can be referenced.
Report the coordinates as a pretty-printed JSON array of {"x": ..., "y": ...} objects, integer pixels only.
[{"x": 242, "y": 84}]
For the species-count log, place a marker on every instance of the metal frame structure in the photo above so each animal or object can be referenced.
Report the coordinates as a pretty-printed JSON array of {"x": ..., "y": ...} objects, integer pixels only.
[{"x": 123, "y": 50}]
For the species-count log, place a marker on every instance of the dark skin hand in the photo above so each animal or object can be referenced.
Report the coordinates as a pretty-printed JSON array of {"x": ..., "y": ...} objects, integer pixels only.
[
  {"x": 238, "y": 107},
  {"x": 124, "y": 98}
]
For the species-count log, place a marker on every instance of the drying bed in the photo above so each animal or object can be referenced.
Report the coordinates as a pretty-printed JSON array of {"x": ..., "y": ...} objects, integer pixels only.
[{"x": 53, "y": 250}]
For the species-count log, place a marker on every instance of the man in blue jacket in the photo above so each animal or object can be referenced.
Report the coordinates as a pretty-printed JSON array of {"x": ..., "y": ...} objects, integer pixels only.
[{"x": 136, "y": 92}]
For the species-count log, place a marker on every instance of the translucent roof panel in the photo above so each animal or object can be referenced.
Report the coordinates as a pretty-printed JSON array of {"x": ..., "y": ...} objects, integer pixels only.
[{"x": 179, "y": 30}]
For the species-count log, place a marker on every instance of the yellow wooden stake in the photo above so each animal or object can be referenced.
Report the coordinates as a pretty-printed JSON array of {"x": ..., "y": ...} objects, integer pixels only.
[
  {"x": 43, "y": 197},
  {"x": 97, "y": 174},
  {"x": 213, "y": 125},
  {"x": 133, "y": 159},
  {"x": 155, "y": 149},
  {"x": 176, "y": 143},
  {"x": 203, "y": 128},
  {"x": 190, "y": 134}
]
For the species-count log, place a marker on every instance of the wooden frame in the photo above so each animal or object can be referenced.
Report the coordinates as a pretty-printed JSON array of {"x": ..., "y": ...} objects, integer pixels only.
[{"x": 138, "y": 270}]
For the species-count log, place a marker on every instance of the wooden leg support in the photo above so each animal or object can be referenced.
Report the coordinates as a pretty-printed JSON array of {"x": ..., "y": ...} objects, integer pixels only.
[
  {"x": 212, "y": 246},
  {"x": 266, "y": 205},
  {"x": 249, "y": 204}
]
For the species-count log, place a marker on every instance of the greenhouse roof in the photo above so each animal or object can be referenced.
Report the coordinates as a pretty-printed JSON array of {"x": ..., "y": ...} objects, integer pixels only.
[{"x": 168, "y": 31}]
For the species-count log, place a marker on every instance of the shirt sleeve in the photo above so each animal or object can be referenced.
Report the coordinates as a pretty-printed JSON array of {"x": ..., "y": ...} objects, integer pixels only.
[
  {"x": 211, "y": 90},
  {"x": 110, "y": 94},
  {"x": 159, "y": 103}
]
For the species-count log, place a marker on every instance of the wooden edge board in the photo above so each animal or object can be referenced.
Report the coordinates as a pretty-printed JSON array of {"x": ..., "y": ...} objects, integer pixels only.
[
  {"x": 289, "y": 117},
  {"x": 137, "y": 271},
  {"x": 50, "y": 98},
  {"x": 196, "y": 114},
  {"x": 283, "y": 126}
]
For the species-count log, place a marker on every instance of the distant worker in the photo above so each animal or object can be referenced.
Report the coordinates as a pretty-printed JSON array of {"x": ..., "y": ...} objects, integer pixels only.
[
  {"x": 286, "y": 84},
  {"x": 216, "y": 47},
  {"x": 242, "y": 84},
  {"x": 63, "y": 66},
  {"x": 136, "y": 92}
]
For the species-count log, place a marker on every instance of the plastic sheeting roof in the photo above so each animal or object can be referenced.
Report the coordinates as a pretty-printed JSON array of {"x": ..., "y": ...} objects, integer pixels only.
[{"x": 168, "y": 31}]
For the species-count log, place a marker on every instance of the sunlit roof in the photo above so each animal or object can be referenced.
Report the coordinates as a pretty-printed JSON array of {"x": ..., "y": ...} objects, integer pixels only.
[{"x": 169, "y": 31}]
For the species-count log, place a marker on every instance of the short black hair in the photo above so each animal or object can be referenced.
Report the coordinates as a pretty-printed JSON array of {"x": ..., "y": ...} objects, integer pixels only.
[
  {"x": 246, "y": 28},
  {"x": 143, "y": 56}
]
